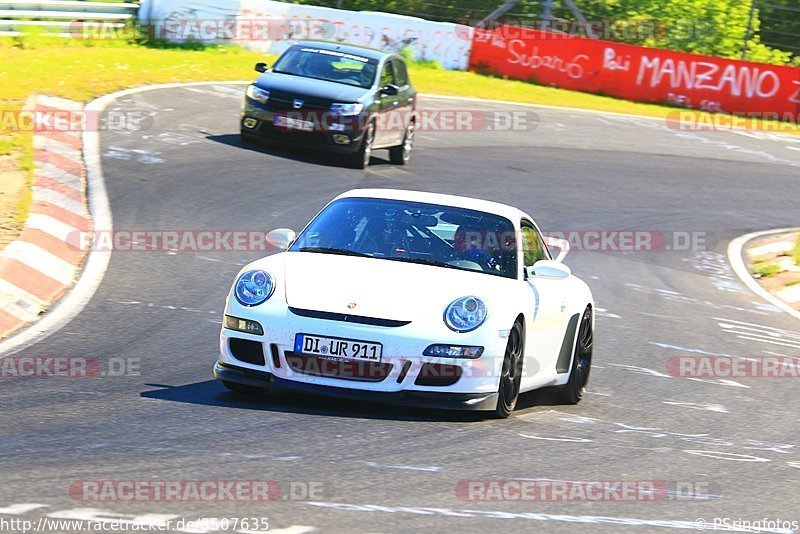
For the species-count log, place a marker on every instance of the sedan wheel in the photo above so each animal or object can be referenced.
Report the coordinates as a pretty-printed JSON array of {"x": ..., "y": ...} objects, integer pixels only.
[
  {"x": 511, "y": 374},
  {"x": 364, "y": 154},
  {"x": 575, "y": 388},
  {"x": 400, "y": 155}
]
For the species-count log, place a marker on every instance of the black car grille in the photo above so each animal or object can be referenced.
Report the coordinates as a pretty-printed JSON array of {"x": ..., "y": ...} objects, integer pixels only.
[
  {"x": 347, "y": 318},
  {"x": 247, "y": 351},
  {"x": 355, "y": 370},
  {"x": 276, "y": 103}
]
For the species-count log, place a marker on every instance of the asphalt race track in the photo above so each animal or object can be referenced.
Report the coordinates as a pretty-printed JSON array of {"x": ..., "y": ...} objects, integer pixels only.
[{"x": 388, "y": 469}]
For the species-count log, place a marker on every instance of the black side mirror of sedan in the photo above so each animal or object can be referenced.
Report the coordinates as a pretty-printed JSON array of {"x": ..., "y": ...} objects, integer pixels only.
[
  {"x": 390, "y": 90},
  {"x": 261, "y": 67}
]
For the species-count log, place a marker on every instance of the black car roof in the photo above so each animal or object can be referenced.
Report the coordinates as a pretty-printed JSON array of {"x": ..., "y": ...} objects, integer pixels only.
[{"x": 364, "y": 51}]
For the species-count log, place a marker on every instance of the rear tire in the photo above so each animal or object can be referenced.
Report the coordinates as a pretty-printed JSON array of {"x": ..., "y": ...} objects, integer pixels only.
[
  {"x": 511, "y": 374},
  {"x": 401, "y": 155},
  {"x": 573, "y": 391}
]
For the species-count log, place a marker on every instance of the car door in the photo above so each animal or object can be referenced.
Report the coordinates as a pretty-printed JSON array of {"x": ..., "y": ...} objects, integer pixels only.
[
  {"x": 546, "y": 322},
  {"x": 390, "y": 126},
  {"x": 408, "y": 95}
]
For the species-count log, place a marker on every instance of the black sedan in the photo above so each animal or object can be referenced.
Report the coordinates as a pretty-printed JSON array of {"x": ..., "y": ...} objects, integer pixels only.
[{"x": 338, "y": 97}]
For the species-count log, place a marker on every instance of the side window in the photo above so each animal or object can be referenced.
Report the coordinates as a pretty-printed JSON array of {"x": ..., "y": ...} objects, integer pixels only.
[
  {"x": 532, "y": 246},
  {"x": 387, "y": 75},
  {"x": 400, "y": 73}
]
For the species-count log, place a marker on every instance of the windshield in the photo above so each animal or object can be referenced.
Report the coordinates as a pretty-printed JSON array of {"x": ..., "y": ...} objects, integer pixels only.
[
  {"x": 414, "y": 232},
  {"x": 328, "y": 65}
]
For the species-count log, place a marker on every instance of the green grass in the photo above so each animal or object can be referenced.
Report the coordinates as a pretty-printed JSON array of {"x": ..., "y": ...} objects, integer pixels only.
[
  {"x": 795, "y": 253},
  {"x": 766, "y": 270}
]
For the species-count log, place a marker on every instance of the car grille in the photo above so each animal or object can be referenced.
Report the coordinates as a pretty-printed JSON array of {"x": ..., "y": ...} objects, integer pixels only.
[
  {"x": 287, "y": 104},
  {"x": 347, "y": 318},
  {"x": 357, "y": 371}
]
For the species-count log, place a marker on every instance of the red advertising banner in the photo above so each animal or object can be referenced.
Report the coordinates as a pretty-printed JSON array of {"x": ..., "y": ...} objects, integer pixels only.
[{"x": 638, "y": 73}]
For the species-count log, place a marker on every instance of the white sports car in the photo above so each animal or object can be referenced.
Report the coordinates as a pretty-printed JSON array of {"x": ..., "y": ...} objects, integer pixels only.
[{"x": 409, "y": 297}]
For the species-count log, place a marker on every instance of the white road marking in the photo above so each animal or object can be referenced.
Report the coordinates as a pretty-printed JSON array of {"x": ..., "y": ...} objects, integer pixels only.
[
  {"x": 728, "y": 456},
  {"x": 695, "y": 406},
  {"x": 640, "y": 370},
  {"x": 782, "y": 448},
  {"x": 565, "y": 439},
  {"x": 678, "y": 297},
  {"x": 684, "y": 349},
  {"x": 718, "y": 270},
  {"x": 602, "y": 312},
  {"x": 21, "y": 508},
  {"x": 429, "y": 468},
  {"x": 766, "y": 331}
]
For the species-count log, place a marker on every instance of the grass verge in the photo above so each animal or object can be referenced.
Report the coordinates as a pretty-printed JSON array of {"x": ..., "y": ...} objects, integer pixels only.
[{"x": 775, "y": 262}]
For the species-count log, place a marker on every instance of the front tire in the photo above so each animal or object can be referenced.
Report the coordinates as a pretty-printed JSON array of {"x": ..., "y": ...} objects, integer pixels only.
[
  {"x": 511, "y": 374},
  {"x": 401, "y": 155},
  {"x": 573, "y": 391},
  {"x": 360, "y": 160},
  {"x": 248, "y": 138}
]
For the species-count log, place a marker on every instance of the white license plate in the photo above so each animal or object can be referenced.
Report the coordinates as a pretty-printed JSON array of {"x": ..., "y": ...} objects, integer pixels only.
[
  {"x": 334, "y": 347},
  {"x": 292, "y": 123}
]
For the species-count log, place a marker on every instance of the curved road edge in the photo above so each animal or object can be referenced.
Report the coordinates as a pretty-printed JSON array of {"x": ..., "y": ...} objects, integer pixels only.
[{"x": 736, "y": 259}]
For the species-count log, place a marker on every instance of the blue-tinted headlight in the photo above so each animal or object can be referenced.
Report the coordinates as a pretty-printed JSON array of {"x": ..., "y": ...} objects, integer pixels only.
[
  {"x": 465, "y": 314},
  {"x": 257, "y": 94},
  {"x": 254, "y": 288}
]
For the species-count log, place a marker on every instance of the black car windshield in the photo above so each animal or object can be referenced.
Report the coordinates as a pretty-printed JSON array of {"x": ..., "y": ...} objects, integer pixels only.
[
  {"x": 414, "y": 232},
  {"x": 329, "y": 65}
]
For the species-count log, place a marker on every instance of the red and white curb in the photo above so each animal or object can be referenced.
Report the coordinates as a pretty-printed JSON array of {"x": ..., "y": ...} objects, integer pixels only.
[
  {"x": 44, "y": 261},
  {"x": 736, "y": 258}
]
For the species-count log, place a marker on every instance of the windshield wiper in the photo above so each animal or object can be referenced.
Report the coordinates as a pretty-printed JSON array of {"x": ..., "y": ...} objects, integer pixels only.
[
  {"x": 337, "y": 251},
  {"x": 428, "y": 261}
]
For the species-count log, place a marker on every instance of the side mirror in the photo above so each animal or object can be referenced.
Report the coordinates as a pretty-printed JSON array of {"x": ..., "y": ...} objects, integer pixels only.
[
  {"x": 561, "y": 244},
  {"x": 281, "y": 238},
  {"x": 261, "y": 67},
  {"x": 548, "y": 269},
  {"x": 390, "y": 90}
]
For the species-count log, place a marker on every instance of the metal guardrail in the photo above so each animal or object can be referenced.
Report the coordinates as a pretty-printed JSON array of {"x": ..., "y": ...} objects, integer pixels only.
[{"x": 62, "y": 17}]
